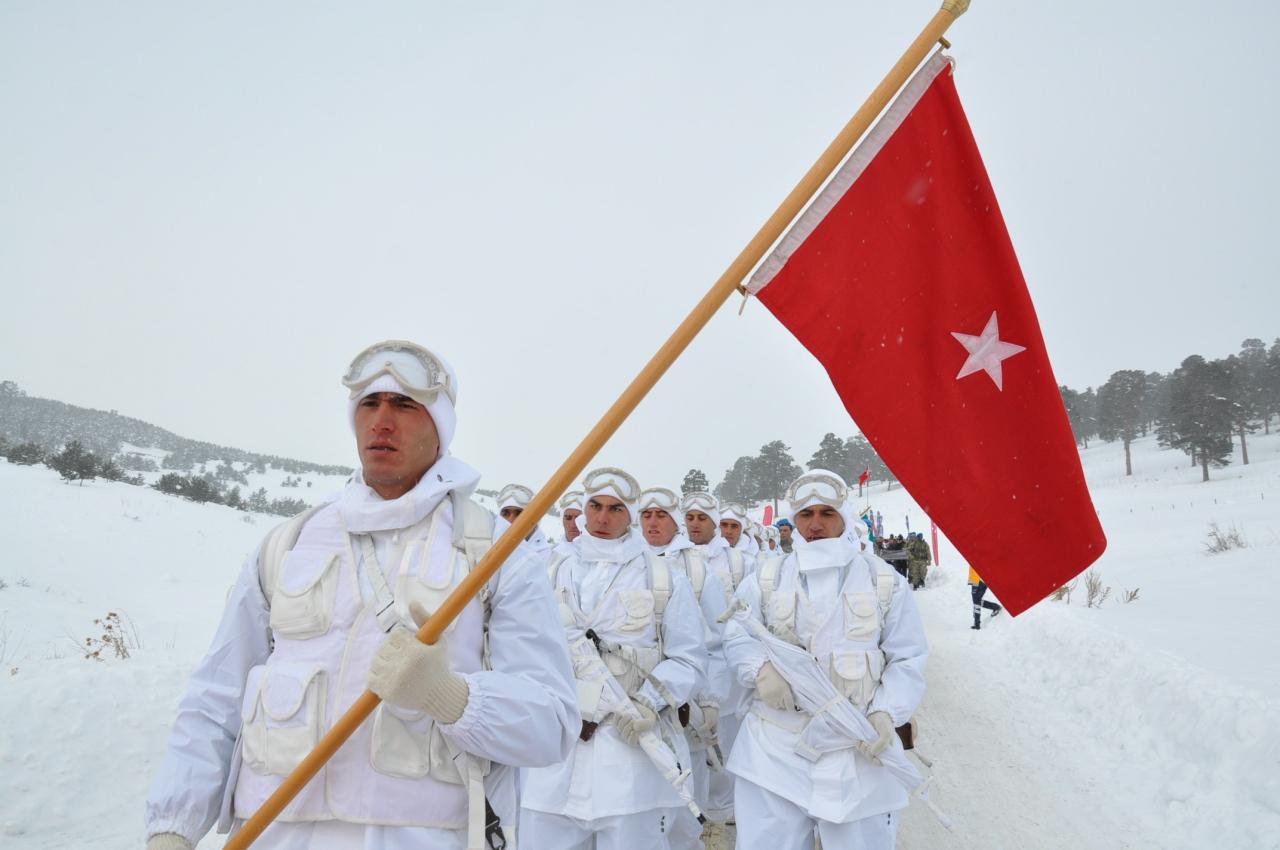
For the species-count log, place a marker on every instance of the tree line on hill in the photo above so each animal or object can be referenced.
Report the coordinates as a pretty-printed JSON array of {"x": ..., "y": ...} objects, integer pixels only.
[
  {"x": 76, "y": 463},
  {"x": 1200, "y": 408},
  {"x": 53, "y": 424}
]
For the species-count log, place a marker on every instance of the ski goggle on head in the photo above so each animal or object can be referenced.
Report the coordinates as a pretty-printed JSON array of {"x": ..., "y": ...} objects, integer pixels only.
[
  {"x": 701, "y": 502},
  {"x": 659, "y": 498},
  {"x": 571, "y": 501},
  {"x": 515, "y": 496},
  {"x": 611, "y": 481},
  {"x": 415, "y": 368},
  {"x": 817, "y": 488}
]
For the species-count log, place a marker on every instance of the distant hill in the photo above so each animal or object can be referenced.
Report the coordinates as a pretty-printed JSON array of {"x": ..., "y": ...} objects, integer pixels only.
[{"x": 52, "y": 424}]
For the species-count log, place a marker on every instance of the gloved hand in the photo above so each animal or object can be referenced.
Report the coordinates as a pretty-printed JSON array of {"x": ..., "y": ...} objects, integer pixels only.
[
  {"x": 773, "y": 689},
  {"x": 168, "y": 841},
  {"x": 710, "y": 715},
  {"x": 630, "y": 727},
  {"x": 411, "y": 675},
  {"x": 883, "y": 724}
]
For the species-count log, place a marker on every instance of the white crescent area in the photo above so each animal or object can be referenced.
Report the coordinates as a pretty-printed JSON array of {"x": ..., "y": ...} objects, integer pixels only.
[{"x": 986, "y": 352}]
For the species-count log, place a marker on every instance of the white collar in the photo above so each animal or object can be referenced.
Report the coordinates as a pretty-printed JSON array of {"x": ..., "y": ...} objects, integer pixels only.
[
  {"x": 717, "y": 543},
  {"x": 363, "y": 510},
  {"x": 678, "y": 544},
  {"x": 824, "y": 554},
  {"x": 620, "y": 550}
]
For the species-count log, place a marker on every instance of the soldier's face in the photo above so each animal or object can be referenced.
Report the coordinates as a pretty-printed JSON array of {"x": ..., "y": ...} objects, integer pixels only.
[
  {"x": 701, "y": 528},
  {"x": 784, "y": 532},
  {"x": 731, "y": 530},
  {"x": 510, "y": 513},
  {"x": 658, "y": 526},
  {"x": 570, "y": 521},
  {"x": 397, "y": 440},
  {"x": 820, "y": 522},
  {"x": 607, "y": 517}
]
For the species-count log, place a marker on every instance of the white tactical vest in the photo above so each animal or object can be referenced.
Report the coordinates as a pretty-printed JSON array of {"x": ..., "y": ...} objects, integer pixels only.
[
  {"x": 849, "y": 648},
  {"x": 630, "y": 635},
  {"x": 397, "y": 769}
]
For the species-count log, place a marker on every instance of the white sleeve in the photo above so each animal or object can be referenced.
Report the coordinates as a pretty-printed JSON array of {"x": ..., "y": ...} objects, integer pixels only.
[
  {"x": 743, "y": 652},
  {"x": 523, "y": 712},
  {"x": 186, "y": 794},
  {"x": 714, "y": 602},
  {"x": 682, "y": 671},
  {"x": 905, "y": 652}
]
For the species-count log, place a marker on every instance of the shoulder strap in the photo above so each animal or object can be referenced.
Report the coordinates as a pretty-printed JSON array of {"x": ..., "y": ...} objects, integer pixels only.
[
  {"x": 660, "y": 584},
  {"x": 472, "y": 529},
  {"x": 554, "y": 569},
  {"x": 767, "y": 576},
  {"x": 696, "y": 564},
  {"x": 737, "y": 567},
  {"x": 277, "y": 544},
  {"x": 885, "y": 577}
]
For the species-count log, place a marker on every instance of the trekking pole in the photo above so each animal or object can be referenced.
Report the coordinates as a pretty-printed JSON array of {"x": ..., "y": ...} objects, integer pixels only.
[{"x": 563, "y": 478}]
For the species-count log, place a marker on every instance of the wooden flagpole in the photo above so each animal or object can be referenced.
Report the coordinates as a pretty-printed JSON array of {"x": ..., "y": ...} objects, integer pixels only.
[{"x": 613, "y": 418}]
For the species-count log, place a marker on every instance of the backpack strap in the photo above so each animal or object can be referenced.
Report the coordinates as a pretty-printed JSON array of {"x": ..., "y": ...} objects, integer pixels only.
[
  {"x": 885, "y": 578},
  {"x": 767, "y": 576},
  {"x": 472, "y": 529},
  {"x": 277, "y": 544},
  {"x": 553, "y": 569},
  {"x": 660, "y": 586},
  {"x": 737, "y": 567},
  {"x": 696, "y": 564}
]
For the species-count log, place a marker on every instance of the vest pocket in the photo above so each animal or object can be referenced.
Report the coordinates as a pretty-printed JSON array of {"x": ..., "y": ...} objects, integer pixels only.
[
  {"x": 302, "y": 602},
  {"x": 857, "y": 674},
  {"x": 637, "y": 610},
  {"x": 401, "y": 742},
  {"x": 281, "y": 714},
  {"x": 861, "y": 615}
]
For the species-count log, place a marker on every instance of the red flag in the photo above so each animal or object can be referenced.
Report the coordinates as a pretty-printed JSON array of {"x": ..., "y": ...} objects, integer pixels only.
[
  {"x": 768, "y": 514},
  {"x": 902, "y": 267},
  {"x": 864, "y": 477}
]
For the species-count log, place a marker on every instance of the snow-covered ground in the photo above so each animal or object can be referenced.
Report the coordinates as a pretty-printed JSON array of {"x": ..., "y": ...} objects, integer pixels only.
[{"x": 1142, "y": 725}]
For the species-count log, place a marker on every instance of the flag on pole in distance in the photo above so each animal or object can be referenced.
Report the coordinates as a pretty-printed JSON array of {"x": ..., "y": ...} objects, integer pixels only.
[
  {"x": 902, "y": 267},
  {"x": 768, "y": 514},
  {"x": 864, "y": 477}
]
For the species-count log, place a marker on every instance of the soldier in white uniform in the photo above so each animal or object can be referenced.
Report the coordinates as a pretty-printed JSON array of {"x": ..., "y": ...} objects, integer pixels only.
[
  {"x": 644, "y": 621},
  {"x": 855, "y": 615},
  {"x": 659, "y": 512},
  {"x": 305, "y": 631},
  {"x": 703, "y": 521},
  {"x": 512, "y": 500},
  {"x": 570, "y": 512}
]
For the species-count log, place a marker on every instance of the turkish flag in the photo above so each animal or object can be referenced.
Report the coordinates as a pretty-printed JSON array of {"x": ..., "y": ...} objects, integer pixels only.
[
  {"x": 902, "y": 267},
  {"x": 865, "y": 476}
]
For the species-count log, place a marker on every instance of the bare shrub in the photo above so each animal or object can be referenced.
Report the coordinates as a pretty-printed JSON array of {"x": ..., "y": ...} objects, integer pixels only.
[
  {"x": 1130, "y": 596},
  {"x": 118, "y": 637},
  {"x": 24, "y": 582},
  {"x": 1097, "y": 594},
  {"x": 1064, "y": 592},
  {"x": 1224, "y": 541}
]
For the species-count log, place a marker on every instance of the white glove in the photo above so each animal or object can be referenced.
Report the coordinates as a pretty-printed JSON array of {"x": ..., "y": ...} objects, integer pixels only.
[
  {"x": 710, "y": 716},
  {"x": 630, "y": 727},
  {"x": 773, "y": 689},
  {"x": 883, "y": 724},
  {"x": 168, "y": 841},
  {"x": 411, "y": 675}
]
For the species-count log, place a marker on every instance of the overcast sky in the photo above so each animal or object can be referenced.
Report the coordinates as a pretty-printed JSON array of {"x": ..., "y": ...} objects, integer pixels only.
[{"x": 207, "y": 209}]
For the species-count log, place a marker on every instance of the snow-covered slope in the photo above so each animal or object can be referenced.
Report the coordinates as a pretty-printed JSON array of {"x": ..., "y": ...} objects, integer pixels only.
[{"x": 1150, "y": 724}]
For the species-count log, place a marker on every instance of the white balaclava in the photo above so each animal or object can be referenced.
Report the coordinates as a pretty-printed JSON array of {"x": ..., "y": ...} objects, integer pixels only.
[
  {"x": 823, "y": 487},
  {"x": 664, "y": 500},
  {"x": 611, "y": 481},
  {"x": 438, "y": 404},
  {"x": 737, "y": 513},
  {"x": 703, "y": 503},
  {"x": 514, "y": 496}
]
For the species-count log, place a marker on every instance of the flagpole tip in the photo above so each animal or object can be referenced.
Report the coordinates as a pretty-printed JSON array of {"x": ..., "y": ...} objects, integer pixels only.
[{"x": 955, "y": 7}]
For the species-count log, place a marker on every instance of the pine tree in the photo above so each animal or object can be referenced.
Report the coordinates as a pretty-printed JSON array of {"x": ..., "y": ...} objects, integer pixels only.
[
  {"x": 695, "y": 481},
  {"x": 1080, "y": 414},
  {"x": 1242, "y": 393},
  {"x": 258, "y": 501},
  {"x": 26, "y": 454},
  {"x": 1120, "y": 409},
  {"x": 73, "y": 463},
  {"x": 739, "y": 482},
  {"x": 831, "y": 454},
  {"x": 1200, "y": 415},
  {"x": 773, "y": 470}
]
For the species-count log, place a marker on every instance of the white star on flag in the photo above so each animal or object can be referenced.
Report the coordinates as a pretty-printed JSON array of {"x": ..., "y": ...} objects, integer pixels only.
[{"x": 986, "y": 352}]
